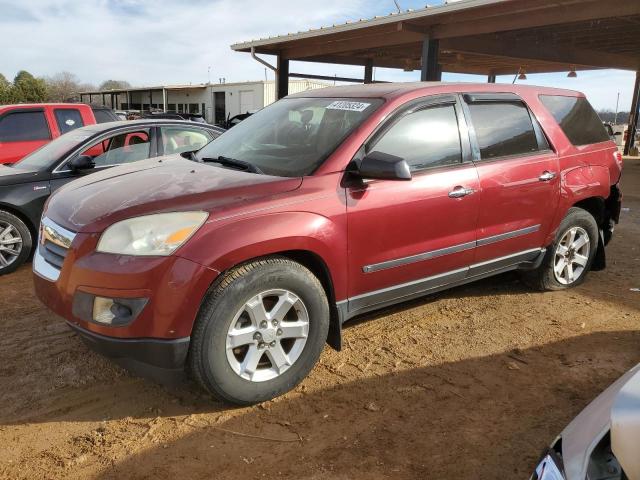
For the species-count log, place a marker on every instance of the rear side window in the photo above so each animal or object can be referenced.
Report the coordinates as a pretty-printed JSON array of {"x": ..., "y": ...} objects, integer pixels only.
[
  {"x": 68, "y": 119},
  {"x": 180, "y": 139},
  {"x": 105, "y": 116},
  {"x": 426, "y": 138},
  {"x": 503, "y": 129},
  {"x": 24, "y": 127},
  {"x": 577, "y": 118}
]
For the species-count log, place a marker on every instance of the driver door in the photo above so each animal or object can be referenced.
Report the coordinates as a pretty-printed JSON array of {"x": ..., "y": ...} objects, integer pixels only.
[{"x": 406, "y": 237}]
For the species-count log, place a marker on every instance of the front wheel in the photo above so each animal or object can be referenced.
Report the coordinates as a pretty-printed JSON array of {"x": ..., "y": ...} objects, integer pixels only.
[
  {"x": 260, "y": 331},
  {"x": 568, "y": 260},
  {"x": 15, "y": 242}
]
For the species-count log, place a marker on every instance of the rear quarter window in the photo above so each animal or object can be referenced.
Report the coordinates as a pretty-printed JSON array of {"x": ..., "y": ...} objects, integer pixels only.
[
  {"x": 24, "y": 127},
  {"x": 577, "y": 119},
  {"x": 68, "y": 119}
]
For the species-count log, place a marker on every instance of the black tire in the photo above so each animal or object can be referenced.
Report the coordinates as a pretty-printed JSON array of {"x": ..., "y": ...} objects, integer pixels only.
[
  {"x": 8, "y": 219},
  {"x": 544, "y": 277},
  {"x": 208, "y": 361}
]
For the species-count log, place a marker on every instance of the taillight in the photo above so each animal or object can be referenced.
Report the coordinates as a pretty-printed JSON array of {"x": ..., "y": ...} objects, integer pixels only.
[{"x": 617, "y": 156}]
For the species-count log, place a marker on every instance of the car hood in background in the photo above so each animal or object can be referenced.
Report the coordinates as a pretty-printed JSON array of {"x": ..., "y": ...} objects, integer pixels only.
[
  {"x": 583, "y": 434},
  {"x": 14, "y": 176},
  {"x": 166, "y": 184}
]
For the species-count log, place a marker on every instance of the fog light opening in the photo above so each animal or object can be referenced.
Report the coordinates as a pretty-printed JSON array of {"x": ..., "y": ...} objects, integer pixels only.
[{"x": 106, "y": 310}]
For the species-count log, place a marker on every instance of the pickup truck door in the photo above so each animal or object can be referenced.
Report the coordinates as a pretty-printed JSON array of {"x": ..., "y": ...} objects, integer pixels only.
[
  {"x": 519, "y": 180},
  {"x": 407, "y": 237},
  {"x": 22, "y": 130}
]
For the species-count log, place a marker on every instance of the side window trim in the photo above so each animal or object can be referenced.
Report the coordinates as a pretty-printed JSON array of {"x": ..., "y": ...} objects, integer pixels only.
[
  {"x": 501, "y": 98},
  {"x": 101, "y": 138}
]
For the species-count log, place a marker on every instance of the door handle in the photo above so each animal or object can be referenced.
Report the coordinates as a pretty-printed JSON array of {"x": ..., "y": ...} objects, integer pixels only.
[
  {"x": 460, "y": 192},
  {"x": 547, "y": 176}
]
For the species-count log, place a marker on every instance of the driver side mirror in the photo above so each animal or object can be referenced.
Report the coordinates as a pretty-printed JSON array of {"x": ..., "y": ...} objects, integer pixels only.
[
  {"x": 383, "y": 166},
  {"x": 81, "y": 162}
]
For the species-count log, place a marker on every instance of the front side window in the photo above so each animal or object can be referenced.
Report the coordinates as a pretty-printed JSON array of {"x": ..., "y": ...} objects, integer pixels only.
[
  {"x": 180, "y": 139},
  {"x": 122, "y": 148},
  {"x": 503, "y": 129},
  {"x": 292, "y": 137},
  {"x": 425, "y": 139},
  {"x": 577, "y": 119},
  {"x": 24, "y": 127},
  {"x": 68, "y": 119}
]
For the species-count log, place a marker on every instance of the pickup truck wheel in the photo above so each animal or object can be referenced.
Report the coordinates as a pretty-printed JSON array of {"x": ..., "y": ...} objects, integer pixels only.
[
  {"x": 15, "y": 242},
  {"x": 259, "y": 332},
  {"x": 569, "y": 259}
]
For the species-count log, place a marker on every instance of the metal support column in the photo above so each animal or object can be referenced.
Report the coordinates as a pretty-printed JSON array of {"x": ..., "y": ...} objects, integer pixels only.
[
  {"x": 633, "y": 116},
  {"x": 150, "y": 99},
  {"x": 282, "y": 78},
  {"x": 129, "y": 101},
  {"x": 368, "y": 71},
  {"x": 431, "y": 71},
  {"x": 104, "y": 102},
  {"x": 90, "y": 99},
  {"x": 164, "y": 100},
  {"x": 491, "y": 78}
]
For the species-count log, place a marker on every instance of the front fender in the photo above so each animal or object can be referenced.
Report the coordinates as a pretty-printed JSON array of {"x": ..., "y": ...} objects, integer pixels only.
[{"x": 229, "y": 244}]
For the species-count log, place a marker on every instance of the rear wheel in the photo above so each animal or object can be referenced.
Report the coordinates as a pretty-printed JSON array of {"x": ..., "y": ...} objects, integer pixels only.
[
  {"x": 260, "y": 331},
  {"x": 568, "y": 260},
  {"x": 15, "y": 242}
]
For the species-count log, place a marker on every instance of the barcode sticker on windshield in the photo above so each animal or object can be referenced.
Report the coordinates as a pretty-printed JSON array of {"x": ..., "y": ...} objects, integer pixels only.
[{"x": 349, "y": 106}]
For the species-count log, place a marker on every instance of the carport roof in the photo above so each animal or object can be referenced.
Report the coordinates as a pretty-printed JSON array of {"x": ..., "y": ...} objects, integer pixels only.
[{"x": 478, "y": 36}]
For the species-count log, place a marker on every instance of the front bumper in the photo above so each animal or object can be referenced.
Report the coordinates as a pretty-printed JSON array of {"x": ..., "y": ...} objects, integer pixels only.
[
  {"x": 172, "y": 289},
  {"x": 160, "y": 360}
]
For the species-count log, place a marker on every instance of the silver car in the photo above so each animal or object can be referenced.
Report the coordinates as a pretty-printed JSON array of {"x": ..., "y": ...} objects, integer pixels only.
[{"x": 603, "y": 441}]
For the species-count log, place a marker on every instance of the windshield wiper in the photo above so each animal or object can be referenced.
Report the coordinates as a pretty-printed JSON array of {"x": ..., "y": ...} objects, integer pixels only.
[{"x": 233, "y": 163}]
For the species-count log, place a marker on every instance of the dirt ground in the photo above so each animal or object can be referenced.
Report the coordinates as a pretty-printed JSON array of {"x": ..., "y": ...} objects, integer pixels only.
[{"x": 468, "y": 384}]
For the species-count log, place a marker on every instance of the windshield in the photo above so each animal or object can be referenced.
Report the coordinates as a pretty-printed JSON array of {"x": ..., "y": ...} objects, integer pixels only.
[
  {"x": 50, "y": 153},
  {"x": 292, "y": 137}
]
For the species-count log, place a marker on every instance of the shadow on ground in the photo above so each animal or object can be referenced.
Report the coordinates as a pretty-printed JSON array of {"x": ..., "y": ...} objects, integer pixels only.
[{"x": 497, "y": 412}]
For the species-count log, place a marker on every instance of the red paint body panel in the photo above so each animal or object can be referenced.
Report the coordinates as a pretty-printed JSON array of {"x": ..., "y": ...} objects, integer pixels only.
[
  {"x": 392, "y": 220},
  {"x": 346, "y": 225},
  {"x": 174, "y": 286},
  {"x": 11, "y": 152}
]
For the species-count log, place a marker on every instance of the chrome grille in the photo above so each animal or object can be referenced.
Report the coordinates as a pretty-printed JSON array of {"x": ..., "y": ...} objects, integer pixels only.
[{"x": 53, "y": 246}]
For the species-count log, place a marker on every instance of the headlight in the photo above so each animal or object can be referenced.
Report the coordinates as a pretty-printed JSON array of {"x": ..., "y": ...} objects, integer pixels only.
[{"x": 151, "y": 235}]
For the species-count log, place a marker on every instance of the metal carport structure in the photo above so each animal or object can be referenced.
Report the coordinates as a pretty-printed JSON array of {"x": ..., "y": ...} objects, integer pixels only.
[{"x": 487, "y": 37}]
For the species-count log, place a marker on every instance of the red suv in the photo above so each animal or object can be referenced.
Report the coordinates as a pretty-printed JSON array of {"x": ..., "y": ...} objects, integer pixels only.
[
  {"x": 25, "y": 128},
  {"x": 237, "y": 263}
]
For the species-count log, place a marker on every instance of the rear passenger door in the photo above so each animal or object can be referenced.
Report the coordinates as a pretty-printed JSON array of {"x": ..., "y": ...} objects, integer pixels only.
[
  {"x": 519, "y": 181},
  {"x": 406, "y": 237}
]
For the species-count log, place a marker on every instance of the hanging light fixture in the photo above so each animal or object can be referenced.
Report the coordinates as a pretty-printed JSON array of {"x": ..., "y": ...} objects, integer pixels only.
[{"x": 572, "y": 73}]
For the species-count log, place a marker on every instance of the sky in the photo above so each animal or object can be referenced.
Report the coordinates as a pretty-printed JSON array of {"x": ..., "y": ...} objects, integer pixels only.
[{"x": 156, "y": 42}]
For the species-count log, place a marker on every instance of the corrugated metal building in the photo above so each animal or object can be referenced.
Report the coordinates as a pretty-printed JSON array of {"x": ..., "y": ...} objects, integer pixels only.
[{"x": 216, "y": 102}]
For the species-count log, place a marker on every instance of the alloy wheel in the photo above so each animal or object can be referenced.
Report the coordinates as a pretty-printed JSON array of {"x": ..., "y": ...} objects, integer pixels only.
[
  {"x": 267, "y": 335},
  {"x": 572, "y": 256},
  {"x": 10, "y": 244}
]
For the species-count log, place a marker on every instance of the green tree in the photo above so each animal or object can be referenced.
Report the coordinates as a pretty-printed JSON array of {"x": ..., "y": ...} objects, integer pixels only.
[
  {"x": 5, "y": 91},
  {"x": 114, "y": 85},
  {"x": 27, "y": 88}
]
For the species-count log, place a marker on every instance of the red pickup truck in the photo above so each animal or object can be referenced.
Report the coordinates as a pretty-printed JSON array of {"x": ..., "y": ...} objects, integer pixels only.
[
  {"x": 26, "y": 127},
  {"x": 240, "y": 261}
]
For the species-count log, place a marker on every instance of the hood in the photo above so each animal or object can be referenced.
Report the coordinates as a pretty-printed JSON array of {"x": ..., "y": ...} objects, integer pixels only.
[
  {"x": 583, "y": 434},
  {"x": 14, "y": 176},
  {"x": 166, "y": 184}
]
